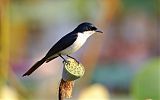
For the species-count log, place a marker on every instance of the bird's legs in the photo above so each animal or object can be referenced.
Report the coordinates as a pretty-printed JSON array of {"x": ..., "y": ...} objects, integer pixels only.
[
  {"x": 73, "y": 58},
  {"x": 63, "y": 59}
]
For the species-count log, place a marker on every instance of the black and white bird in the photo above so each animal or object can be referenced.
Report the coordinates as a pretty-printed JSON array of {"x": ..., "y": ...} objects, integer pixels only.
[{"x": 67, "y": 45}]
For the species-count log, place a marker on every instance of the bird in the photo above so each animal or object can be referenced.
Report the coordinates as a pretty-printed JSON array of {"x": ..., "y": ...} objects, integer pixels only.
[{"x": 67, "y": 45}]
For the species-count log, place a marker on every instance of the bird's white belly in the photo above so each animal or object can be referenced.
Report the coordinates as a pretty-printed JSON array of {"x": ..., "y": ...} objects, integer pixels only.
[{"x": 76, "y": 45}]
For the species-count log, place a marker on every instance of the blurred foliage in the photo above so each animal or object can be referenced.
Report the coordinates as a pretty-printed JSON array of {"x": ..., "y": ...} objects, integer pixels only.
[
  {"x": 146, "y": 84},
  {"x": 148, "y": 5}
]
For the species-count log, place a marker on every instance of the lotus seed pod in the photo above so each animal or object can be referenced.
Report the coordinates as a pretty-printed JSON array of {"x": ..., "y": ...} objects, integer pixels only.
[{"x": 72, "y": 70}]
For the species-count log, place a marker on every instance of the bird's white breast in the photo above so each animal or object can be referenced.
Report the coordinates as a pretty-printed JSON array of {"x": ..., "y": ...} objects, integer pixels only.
[{"x": 81, "y": 39}]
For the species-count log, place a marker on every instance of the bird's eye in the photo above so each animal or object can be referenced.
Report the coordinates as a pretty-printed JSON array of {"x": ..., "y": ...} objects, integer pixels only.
[{"x": 93, "y": 28}]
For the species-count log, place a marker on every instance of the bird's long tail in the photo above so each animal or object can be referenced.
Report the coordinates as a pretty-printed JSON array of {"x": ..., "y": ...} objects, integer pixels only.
[{"x": 35, "y": 66}]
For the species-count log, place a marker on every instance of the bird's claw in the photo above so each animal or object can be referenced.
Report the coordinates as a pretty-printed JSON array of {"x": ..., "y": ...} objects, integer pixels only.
[
  {"x": 66, "y": 62},
  {"x": 74, "y": 59},
  {"x": 77, "y": 61}
]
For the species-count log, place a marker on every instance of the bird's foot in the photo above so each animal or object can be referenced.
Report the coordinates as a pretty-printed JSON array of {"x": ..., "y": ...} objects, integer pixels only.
[
  {"x": 66, "y": 62},
  {"x": 73, "y": 58}
]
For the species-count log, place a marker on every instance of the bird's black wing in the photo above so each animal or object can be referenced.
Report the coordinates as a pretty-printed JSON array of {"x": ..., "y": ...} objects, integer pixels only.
[{"x": 62, "y": 44}]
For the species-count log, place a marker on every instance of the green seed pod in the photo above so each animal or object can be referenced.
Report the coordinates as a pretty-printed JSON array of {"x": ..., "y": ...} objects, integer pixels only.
[{"x": 72, "y": 70}]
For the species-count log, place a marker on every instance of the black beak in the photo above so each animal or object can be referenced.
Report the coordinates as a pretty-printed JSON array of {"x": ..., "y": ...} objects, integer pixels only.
[{"x": 98, "y": 31}]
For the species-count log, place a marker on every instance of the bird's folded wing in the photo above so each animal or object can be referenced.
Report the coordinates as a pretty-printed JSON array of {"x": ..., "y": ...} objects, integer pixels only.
[{"x": 62, "y": 44}]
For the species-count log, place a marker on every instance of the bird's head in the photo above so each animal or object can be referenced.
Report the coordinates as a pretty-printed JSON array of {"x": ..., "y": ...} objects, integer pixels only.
[{"x": 87, "y": 28}]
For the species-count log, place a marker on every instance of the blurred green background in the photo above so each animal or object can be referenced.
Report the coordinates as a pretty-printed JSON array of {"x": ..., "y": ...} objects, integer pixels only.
[{"x": 121, "y": 64}]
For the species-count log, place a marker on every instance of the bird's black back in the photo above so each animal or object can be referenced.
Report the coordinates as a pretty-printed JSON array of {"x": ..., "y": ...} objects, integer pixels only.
[{"x": 62, "y": 44}]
